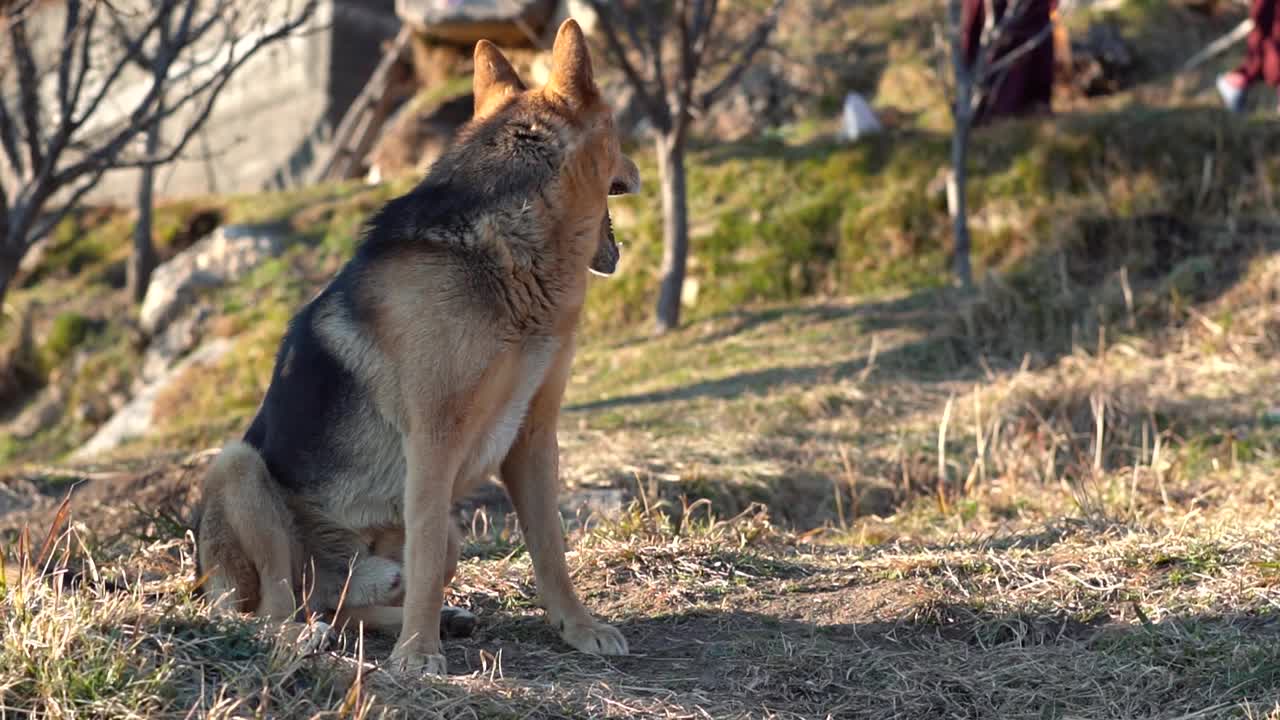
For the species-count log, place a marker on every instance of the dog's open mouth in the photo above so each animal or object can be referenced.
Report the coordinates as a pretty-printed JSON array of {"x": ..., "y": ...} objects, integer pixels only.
[{"x": 605, "y": 262}]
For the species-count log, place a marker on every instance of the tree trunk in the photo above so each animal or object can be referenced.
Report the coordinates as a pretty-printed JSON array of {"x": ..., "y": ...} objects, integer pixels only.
[
  {"x": 8, "y": 269},
  {"x": 675, "y": 229},
  {"x": 957, "y": 205},
  {"x": 143, "y": 258},
  {"x": 962, "y": 114}
]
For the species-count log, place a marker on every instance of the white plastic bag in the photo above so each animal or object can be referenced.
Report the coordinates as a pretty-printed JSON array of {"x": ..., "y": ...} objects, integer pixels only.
[{"x": 858, "y": 119}]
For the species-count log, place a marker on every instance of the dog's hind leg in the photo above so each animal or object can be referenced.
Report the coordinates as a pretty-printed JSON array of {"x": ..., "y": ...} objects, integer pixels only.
[
  {"x": 386, "y": 614},
  {"x": 246, "y": 541}
]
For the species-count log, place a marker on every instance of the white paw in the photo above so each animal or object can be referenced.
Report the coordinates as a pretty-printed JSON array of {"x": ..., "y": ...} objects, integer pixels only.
[
  {"x": 594, "y": 637},
  {"x": 375, "y": 581},
  {"x": 411, "y": 662}
]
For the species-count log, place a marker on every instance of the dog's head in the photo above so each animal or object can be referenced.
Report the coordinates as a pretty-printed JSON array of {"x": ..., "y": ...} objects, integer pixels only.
[{"x": 570, "y": 113}]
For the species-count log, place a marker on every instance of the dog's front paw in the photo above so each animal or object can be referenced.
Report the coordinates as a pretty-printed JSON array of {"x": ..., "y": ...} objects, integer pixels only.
[
  {"x": 410, "y": 661},
  {"x": 594, "y": 637},
  {"x": 376, "y": 581}
]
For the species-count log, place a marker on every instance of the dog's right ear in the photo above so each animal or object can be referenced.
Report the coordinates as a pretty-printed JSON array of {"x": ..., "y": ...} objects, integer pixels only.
[
  {"x": 495, "y": 78},
  {"x": 571, "y": 75}
]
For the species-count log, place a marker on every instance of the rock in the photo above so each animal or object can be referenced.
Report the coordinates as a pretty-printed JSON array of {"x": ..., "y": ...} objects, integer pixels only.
[
  {"x": 14, "y": 501},
  {"x": 134, "y": 419},
  {"x": 177, "y": 338},
  {"x": 463, "y": 22},
  {"x": 223, "y": 257},
  {"x": 762, "y": 99},
  {"x": 41, "y": 414}
]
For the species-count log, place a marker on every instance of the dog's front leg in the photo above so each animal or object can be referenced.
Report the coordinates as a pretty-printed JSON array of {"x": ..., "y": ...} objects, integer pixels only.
[
  {"x": 428, "y": 486},
  {"x": 531, "y": 475}
]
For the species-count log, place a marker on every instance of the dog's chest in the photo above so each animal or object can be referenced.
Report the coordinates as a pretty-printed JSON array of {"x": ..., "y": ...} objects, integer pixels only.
[{"x": 536, "y": 359}]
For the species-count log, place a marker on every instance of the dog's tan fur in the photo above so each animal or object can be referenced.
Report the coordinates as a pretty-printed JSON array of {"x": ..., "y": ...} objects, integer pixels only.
[{"x": 461, "y": 373}]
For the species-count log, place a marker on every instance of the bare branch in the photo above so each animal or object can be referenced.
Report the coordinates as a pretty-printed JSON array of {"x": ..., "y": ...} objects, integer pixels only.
[
  {"x": 132, "y": 50},
  {"x": 14, "y": 11},
  {"x": 704, "y": 16},
  {"x": 70, "y": 27},
  {"x": 656, "y": 108},
  {"x": 194, "y": 46},
  {"x": 633, "y": 32},
  {"x": 28, "y": 92},
  {"x": 961, "y": 108},
  {"x": 78, "y": 87},
  {"x": 753, "y": 45},
  {"x": 656, "y": 25},
  {"x": 51, "y": 220},
  {"x": 4, "y": 205},
  {"x": 688, "y": 71},
  {"x": 204, "y": 95},
  {"x": 9, "y": 138},
  {"x": 1016, "y": 54}
]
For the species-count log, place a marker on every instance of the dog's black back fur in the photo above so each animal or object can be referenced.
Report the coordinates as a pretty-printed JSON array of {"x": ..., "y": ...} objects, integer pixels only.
[{"x": 504, "y": 159}]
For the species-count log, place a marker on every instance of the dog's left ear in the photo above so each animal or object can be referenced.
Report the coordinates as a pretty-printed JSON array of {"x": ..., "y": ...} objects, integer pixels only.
[
  {"x": 571, "y": 76},
  {"x": 495, "y": 79}
]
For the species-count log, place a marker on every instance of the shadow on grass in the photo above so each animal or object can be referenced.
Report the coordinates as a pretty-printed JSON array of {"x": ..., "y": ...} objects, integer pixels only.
[{"x": 949, "y": 660}]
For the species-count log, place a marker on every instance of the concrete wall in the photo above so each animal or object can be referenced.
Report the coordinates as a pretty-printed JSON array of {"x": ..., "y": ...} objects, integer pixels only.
[{"x": 274, "y": 119}]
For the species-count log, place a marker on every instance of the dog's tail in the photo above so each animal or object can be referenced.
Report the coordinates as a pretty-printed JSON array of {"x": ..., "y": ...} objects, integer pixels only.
[{"x": 244, "y": 532}]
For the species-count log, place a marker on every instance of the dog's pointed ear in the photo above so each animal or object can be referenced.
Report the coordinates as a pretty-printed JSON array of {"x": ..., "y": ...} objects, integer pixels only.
[
  {"x": 495, "y": 79},
  {"x": 571, "y": 76}
]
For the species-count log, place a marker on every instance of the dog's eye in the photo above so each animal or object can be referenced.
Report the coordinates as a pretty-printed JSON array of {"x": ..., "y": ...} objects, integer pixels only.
[{"x": 618, "y": 188}]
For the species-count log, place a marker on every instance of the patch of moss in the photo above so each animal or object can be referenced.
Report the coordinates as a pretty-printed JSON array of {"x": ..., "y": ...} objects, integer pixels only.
[{"x": 68, "y": 331}]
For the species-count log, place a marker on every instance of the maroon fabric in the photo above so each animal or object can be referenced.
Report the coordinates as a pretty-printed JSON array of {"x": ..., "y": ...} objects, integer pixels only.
[
  {"x": 1027, "y": 86},
  {"x": 1262, "y": 59}
]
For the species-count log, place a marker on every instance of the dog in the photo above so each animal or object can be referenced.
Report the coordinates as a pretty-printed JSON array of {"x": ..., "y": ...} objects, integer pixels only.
[{"x": 435, "y": 358}]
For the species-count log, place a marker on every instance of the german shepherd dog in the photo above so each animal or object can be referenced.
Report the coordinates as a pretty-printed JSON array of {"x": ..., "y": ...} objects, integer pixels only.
[{"x": 436, "y": 357}]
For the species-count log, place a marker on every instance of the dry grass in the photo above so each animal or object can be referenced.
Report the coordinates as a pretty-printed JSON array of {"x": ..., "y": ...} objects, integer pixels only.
[{"x": 1170, "y": 617}]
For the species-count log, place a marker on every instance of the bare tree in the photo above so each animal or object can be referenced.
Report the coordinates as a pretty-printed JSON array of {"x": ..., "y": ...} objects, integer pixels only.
[
  {"x": 672, "y": 91},
  {"x": 975, "y": 82},
  {"x": 73, "y": 107}
]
